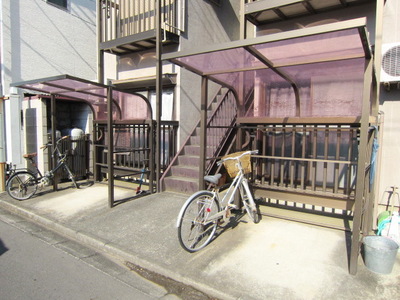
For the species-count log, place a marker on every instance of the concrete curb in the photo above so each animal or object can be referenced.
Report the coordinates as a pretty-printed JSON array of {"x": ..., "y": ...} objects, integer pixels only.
[{"x": 109, "y": 248}]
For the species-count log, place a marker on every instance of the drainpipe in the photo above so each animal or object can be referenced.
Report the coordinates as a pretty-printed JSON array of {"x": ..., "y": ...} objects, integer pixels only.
[
  {"x": 2, "y": 118},
  {"x": 100, "y": 53},
  {"x": 377, "y": 186},
  {"x": 2, "y": 145}
]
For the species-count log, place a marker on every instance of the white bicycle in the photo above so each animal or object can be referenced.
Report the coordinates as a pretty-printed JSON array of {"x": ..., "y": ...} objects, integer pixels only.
[{"x": 205, "y": 210}]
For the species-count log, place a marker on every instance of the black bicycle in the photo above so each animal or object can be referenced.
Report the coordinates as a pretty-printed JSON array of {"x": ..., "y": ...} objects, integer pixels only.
[{"x": 24, "y": 184}]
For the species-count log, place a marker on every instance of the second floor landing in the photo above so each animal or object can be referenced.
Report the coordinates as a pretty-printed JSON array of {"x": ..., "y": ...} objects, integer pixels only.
[
  {"x": 126, "y": 26},
  {"x": 261, "y": 12}
]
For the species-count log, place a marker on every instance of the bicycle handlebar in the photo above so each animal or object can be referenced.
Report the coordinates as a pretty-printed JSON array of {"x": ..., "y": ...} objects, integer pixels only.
[
  {"x": 251, "y": 152},
  {"x": 59, "y": 140}
]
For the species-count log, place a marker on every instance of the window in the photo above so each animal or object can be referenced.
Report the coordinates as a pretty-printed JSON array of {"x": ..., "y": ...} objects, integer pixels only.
[
  {"x": 167, "y": 106},
  {"x": 60, "y": 3}
]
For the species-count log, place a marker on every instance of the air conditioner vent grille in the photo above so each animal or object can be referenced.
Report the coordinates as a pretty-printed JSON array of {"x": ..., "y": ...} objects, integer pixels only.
[{"x": 391, "y": 61}]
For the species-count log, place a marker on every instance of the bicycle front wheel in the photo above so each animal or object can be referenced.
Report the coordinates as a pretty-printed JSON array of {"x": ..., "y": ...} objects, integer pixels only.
[
  {"x": 248, "y": 202},
  {"x": 195, "y": 230},
  {"x": 22, "y": 185}
]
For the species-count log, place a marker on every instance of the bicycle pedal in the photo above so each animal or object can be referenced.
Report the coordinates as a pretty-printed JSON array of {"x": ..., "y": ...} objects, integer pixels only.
[{"x": 232, "y": 206}]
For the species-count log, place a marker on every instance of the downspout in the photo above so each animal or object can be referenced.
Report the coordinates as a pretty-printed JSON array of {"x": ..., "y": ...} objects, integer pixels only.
[
  {"x": 2, "y": 117},
  {"x": 100, "y": 53},
  {"x": 381, "y": 117}
]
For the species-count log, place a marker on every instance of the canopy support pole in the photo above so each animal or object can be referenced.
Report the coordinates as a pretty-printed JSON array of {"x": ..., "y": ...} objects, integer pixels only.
[
  {"x": 53, "y": 111},
  {"x": 158, "y": 94},
  {"x": 203, "y": 131},
  {"x": 110, "y": 148},
  {"x": 361, "y": 168}
]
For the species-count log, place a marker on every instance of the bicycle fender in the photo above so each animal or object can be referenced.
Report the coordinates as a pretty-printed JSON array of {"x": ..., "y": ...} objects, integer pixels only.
[{"x": 187, "y": 203}]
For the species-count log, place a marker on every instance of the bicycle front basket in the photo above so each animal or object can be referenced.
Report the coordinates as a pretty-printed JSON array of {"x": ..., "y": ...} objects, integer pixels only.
[{"x": 231, "y": 164}]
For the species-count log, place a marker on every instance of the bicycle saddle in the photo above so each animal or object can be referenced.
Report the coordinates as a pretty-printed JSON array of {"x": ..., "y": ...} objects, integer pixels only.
[
  {"x": 213, "y": 178},
  {"x": 30, "y": 155}
]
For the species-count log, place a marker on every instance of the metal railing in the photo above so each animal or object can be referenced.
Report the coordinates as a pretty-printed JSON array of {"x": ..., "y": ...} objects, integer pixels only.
[
  {"x": 317, "y": 160},
  {"x": 132, "y": 147},
  {"x": 220, "y": 125},
  {"x": 78, "y": 151},
  {"x": 122, "y": 18}
]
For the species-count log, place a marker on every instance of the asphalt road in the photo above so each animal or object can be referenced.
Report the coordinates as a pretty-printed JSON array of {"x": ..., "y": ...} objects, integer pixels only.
[{"x": 38, "y": 264}]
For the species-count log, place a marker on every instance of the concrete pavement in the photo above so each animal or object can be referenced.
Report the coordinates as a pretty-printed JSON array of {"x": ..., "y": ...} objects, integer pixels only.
[{"x": 273, "y": 259}]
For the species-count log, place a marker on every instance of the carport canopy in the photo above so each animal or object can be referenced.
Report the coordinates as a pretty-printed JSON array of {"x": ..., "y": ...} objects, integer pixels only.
[
  {"x": 309, "y": 72},
  {"x": 306, "y": 76},
  {"x": 102, "y": 99},
  {"x": 125, "y": 106}
]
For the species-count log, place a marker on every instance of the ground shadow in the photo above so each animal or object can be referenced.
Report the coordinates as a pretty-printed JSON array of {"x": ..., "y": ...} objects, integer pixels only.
[
  {"x": 3, "y": 247},
  {"x": 235, "y": 219},
  {"x": 134, "y": 197}
]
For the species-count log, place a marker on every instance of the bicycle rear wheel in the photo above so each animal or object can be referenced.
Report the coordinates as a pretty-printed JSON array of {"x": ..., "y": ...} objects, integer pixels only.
[
  {"x": 22, "y": 185},
  {"x": 71, "y": 176},
  {"x": 248, "y": 202},
  {"x": 194, "y": 230}
]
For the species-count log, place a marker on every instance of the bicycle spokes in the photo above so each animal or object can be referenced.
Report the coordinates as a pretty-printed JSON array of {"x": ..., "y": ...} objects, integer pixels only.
[{"x": 196, "y": 228}]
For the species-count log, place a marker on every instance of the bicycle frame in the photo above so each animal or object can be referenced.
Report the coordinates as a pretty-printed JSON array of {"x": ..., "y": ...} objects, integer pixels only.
[
  {"x": 205, "y": 210},
  {"x": 61, "y": 162},
  {"x": 229, "y": 194}
]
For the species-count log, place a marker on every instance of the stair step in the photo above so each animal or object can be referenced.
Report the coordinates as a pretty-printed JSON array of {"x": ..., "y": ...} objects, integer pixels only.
[
  {"x": 189, "y": 160},
  {"x": 211, "y": 140},
  {"x": 185, "y": 171},
  {"x": 184, "y": 175},
  {"x": 194, "y": 150},
  {"x": 181, "y": 185}
]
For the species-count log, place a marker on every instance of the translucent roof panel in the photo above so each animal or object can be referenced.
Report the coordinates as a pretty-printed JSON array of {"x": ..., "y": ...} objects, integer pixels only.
[
  {"x": 222, "y": 61},
  {"x": 337, "y": 45},
  {"x": 326, "y": 89},
  {"x": 125, "y": 106},
  {"x": 304, "y": 73}
]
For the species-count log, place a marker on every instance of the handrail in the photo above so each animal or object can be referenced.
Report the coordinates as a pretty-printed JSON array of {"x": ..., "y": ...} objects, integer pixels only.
[{"x": 223, "y": 125}]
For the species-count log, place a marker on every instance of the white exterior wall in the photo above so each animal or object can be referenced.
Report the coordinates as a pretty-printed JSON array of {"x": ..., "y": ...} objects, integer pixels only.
[
  {"x": 41, "y": 40},
  {"x": 35, "y": 126},
  {"x": 389, "y": 174}
]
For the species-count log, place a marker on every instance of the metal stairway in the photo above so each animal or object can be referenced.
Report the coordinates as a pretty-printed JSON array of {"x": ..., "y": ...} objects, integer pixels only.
[{"x": 182, "y": 175}]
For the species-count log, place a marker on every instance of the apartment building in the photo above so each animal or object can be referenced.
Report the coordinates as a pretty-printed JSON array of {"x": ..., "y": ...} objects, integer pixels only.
[{"x": 304, "y": 82}]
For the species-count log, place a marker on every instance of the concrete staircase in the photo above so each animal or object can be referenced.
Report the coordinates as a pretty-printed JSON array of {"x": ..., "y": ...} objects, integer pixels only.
[{"x": 183, "y": 174}]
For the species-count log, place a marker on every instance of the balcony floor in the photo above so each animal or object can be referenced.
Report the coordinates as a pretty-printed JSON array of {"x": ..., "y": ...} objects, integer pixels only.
[{"x": 137, "y": 42}]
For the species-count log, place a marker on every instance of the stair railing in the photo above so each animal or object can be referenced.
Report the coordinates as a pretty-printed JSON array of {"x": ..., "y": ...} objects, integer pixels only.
[
  {"x": 220, "y": 126},
  {"x": 218, "y": 121}
]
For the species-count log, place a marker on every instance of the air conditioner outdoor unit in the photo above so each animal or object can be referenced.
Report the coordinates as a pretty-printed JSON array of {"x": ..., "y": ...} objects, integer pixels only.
[{"x": 390, "y": 71}]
